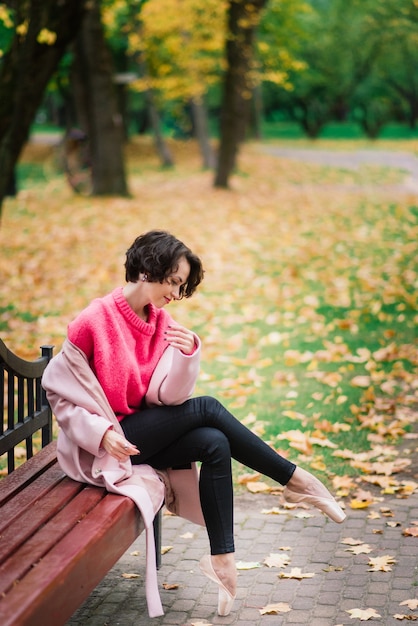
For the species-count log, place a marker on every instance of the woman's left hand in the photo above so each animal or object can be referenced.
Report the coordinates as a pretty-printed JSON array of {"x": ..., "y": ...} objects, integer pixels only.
[{"x": 181, "y": 338}]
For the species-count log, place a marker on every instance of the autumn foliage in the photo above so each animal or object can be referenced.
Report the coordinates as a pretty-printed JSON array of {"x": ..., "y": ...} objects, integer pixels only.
[{"x": 308, "y": 307}]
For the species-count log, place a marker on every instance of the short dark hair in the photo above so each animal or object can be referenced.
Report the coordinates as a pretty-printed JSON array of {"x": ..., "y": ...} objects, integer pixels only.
[{"x": 157, "y": 254}]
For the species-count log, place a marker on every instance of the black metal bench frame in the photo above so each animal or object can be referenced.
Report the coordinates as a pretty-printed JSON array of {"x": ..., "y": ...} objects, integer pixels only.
[{"x": 39, "y": 483}]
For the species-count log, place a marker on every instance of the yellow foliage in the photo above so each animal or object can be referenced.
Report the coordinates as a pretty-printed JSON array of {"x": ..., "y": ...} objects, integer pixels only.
[{"x": 47, "y": 37}]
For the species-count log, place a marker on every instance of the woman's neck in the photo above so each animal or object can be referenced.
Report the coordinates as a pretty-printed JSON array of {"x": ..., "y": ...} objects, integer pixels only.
[{"x": 133, "y": 298}]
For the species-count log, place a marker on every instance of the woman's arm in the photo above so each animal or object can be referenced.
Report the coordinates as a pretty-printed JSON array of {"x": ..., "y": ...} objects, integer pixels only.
[{"x": 174, "y": 378}]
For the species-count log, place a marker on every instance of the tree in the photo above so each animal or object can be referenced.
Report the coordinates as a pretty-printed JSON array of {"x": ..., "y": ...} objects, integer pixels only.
[
  {"x": 40, "y": 31},
  {"x": 97, "y": 105},
  {"x": 180, "y": 50},
  {"x": 243, "y": 18}
]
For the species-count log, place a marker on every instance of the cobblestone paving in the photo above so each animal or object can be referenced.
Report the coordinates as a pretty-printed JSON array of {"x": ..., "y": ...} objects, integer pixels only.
[{"x": 342, "y": 580}]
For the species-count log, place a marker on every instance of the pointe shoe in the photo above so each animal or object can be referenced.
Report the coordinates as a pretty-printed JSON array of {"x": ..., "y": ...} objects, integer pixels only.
[
  {"x": 327, "y": 505},
  {"x": 225, "y": 598}
]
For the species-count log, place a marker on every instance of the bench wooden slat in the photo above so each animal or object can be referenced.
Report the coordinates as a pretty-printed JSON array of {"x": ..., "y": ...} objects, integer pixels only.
[
  {"x": 35, "y": 515},
  {"x": 79, "y": 560},
  {"x": 44, "y": 539},
  {"x": 28, "y": 498},
  {"x": 27, "y": 472}
]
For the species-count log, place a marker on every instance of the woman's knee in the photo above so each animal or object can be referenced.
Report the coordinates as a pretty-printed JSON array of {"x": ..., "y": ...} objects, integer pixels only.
[
  {"x": 210, "y": 405},
  {"x": 216, "y": 444}
]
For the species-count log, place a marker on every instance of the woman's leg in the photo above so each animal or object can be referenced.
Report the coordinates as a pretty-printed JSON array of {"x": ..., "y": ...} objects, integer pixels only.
[
  {"x": 211, "y": 447},
  {"x": 156, "y": 428}
]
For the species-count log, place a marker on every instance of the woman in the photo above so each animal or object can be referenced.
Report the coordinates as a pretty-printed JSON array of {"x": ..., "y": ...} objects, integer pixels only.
[{"x": 124, "y": 337}]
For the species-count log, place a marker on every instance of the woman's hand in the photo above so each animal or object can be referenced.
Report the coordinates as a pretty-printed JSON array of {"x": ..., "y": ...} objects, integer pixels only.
[
  {"x": 117, "y": 446},
  {"x": 181, "y": 338}
]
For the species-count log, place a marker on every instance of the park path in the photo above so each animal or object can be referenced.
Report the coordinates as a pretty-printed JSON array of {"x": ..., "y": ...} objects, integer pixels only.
[{"x": 356, "y": 159}]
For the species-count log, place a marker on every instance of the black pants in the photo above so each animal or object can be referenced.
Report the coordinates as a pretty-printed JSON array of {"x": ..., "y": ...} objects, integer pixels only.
[{"x": 202, "y": 429}]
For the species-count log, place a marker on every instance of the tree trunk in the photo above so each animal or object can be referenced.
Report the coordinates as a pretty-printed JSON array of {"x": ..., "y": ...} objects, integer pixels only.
[
  {"x": 200, "y": 122},
  {"x": 161, "y": 146},
  {"x": 243, "y": 17},
  {"x": 256, "y": 113},
  {"x": 25, "y": 71},
  {"x": 97, "y": 106}
]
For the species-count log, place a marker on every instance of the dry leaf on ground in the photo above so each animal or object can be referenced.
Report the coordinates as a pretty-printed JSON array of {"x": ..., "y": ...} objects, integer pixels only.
[
  {"x": 363, "y": 614},
  {"x": 381, "y": 563},
  {"x": 277, "y": 560},
  {"x": 244, "y": 565},
  {"x": 275, "y": 609},
  {"x": 411, "y": 604},
  {"x": 170, "y": 586},
  {"x": 362, "y": 548}
]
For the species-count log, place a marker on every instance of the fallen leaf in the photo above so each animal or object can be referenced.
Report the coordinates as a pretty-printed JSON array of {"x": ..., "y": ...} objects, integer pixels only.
[
  {"x": 135, "y": 553},
  {"x": 129, "y": 576},
  {"x": 296, "y": 573},
  {"x": 170, "y": 586},
  {"x": 363, "y": 615},
  {"x": 243, "y": 565},
  {"x": 273, "y": 511},
  {"x": 363, "y": 548},
  {"x": 247, "y": 478},
  {"x": 275, "y": 609},
  {"x": 360, "y": 504},
  {"x": 411, "y": 532},
  {"x": 361, "y": 381},
  {"x": 381, "y": 563},
  {"x": 200, "y": 623},
  {"x": 349, "y": 541},
  {"x": 411, "y": 604},
  {"x": 258, "y": 487},
  {"x": 277, "y": 560},
  {"x": 410, "y": 617},
  {"x": 187, "y": 535},
  {"x": 165, "y": 549}
]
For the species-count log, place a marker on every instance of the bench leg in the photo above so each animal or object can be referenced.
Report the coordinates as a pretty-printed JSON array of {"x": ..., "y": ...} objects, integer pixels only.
[{"x": 157, "y": 537}]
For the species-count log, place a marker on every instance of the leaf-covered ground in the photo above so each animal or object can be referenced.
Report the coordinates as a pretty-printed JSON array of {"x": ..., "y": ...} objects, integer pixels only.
[{"x": 308, "y": 308}]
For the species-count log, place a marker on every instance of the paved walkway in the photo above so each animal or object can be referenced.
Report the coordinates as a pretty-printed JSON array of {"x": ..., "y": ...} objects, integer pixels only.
[
  {"x": 355, "y": 159},
  {"x": 342, "y": 580}
]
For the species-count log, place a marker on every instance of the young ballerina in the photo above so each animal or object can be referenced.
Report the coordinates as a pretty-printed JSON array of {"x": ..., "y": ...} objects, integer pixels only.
[{"x": 124, "y": 336}]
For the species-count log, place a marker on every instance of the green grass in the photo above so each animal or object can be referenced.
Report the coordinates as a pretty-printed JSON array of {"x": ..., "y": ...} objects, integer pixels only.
[{"x": 306, "y": 283}]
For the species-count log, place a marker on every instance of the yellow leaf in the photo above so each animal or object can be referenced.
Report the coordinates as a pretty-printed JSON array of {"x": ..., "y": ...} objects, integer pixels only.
[
  {"x": 277, "y": 560},
  {"x": 296, "y": 573},
  {"x": 361, "y": 381},
  {"x": 363, "y": 615},
  {"x": 275, "y": 609},
  {"x": 411, "y": 604},
  {"x": 165, "y": 549},
  {"x": 273, "y": 511},
  {"x": 170, "y": 586},
  {"x": 129, "y": 576},
  {"x": 360, "y": 504},
  {"x": 381, "y": 563},
  {"x": 258, "y": 487},
  {"x": 294, "y": 415},
  {"x": 364, "y": 548}
]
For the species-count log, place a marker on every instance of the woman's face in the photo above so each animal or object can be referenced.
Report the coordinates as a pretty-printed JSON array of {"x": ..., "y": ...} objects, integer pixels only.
[{"x": 162, "y": 293}]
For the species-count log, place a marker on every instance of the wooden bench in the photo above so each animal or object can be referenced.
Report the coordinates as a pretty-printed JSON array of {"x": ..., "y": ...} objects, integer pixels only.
[{"x": 58, "y": 537}]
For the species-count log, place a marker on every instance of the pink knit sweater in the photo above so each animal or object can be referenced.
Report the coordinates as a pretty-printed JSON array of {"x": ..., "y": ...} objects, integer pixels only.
[{"x": 122, "y": 349}]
